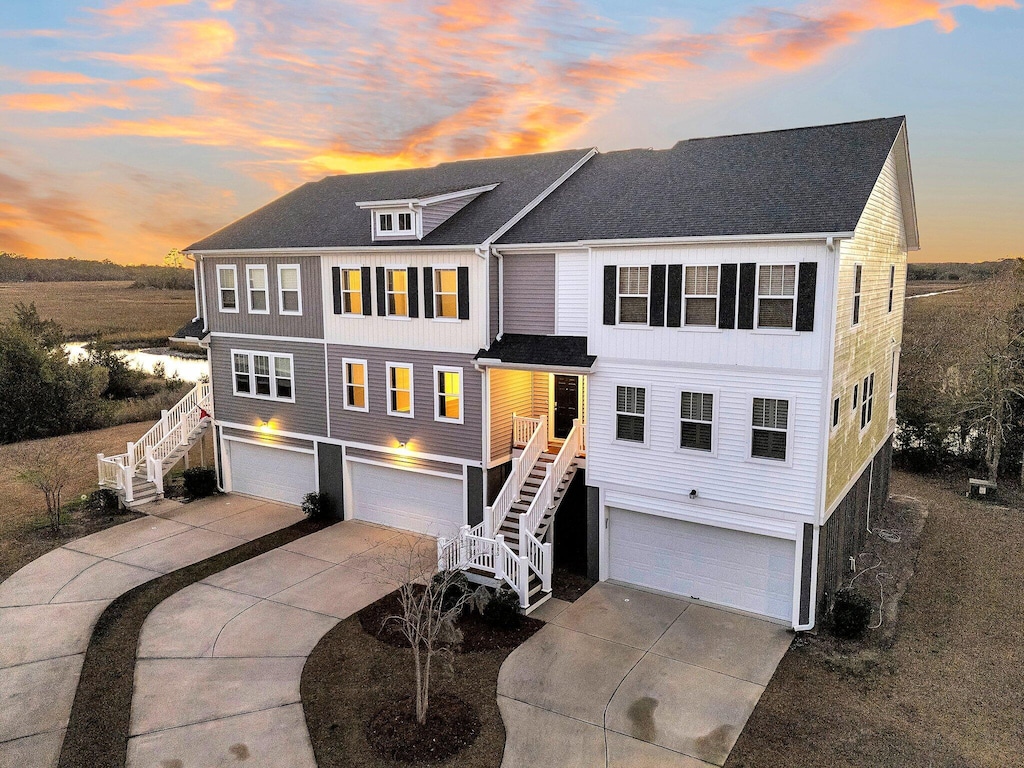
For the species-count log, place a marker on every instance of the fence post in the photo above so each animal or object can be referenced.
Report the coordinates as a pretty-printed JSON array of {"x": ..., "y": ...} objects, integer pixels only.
[
  {"x": 499, "y": 557},
  {"x": 548, "y": 567},
  {"x": 99, "y": 466}
]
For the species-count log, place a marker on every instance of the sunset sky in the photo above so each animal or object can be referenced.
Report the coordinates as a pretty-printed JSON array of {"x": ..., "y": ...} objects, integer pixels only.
[{"x": 133, "y": 126}]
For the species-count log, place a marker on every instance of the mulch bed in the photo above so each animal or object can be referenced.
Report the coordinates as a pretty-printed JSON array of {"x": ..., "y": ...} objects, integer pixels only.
[
  {"x": 97, "y": 735},
  {"x": 568, "y": 585},
  {"x": 355, "y": 677},
  {"x": 451, "y": 726},
  {"x": 940, "y": 691}
]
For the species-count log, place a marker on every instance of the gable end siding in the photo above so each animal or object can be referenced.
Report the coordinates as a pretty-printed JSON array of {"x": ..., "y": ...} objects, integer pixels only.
[{"x": 529, "y": 300}]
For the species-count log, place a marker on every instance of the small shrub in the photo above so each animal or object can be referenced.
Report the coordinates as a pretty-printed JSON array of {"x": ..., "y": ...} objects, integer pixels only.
[
  {"x": 502, "y": 610},
  {"x": 199, "y": 482},
  {"x": 455, "y": 591},
  {"x": 851, "y": 615},
  {"x": 104, "y": 499},
  {"x": 316, "y": 505}
]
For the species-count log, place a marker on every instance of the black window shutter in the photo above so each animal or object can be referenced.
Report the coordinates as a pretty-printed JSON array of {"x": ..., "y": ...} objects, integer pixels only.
[
  {"x": 609, "y": 294},
  {"x": 463, "y": 293},
  {"x": 675, "y": 296},
  {"x": 727, "y": 296},
  {"x": 748, "y": 273},
  {"x": 428, "y": 291},
  {"x": 382, "y": 299},
  {"x": 657, "y": 294},
  {"x": 805, "y": 291},
  {"x": 413, "y": 287},
  {"x": 336, "y": 282},
  {"x": 367, "y": 291}
]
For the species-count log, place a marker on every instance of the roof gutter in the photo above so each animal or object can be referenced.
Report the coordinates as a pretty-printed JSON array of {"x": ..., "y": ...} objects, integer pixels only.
[{"x": 797, "y": 237}]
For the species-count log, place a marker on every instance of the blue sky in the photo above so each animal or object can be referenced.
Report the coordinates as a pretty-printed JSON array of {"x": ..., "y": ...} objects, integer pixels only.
[{"x": 133, "y": 126}]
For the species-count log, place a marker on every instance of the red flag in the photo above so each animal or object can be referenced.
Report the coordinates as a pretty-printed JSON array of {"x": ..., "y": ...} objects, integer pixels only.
[{"x": 203, "y": 414}]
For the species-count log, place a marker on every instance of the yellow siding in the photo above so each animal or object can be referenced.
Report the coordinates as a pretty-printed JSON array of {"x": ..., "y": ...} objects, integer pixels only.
[
  {"x": 879, "y": 241},
  {"x": 511, "y": 393}
]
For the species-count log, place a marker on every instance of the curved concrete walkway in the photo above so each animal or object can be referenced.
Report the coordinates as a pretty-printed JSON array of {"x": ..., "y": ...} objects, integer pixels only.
[
  {"x": 48, "y": 608},
  {"x": 220, "y": 662},
  {"x": 628, "y": 679}
]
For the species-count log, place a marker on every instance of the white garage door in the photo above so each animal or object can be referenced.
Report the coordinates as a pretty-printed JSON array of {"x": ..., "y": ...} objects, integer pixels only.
[
  {"x": 730, "y": 568},
  {"x": 405, "y": 499},
  {"x": 271, "y": 473}
]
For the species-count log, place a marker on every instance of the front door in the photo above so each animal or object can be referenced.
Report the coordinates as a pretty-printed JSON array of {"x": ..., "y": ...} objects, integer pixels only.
[{"x": 567, "y": 404}]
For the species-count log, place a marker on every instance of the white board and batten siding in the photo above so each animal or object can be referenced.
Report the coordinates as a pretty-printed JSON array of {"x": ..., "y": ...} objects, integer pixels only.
[
  {"x": 572, "y": 292},
  {"x": 778, "y": 350},
  {"x": 442, "y": 335},
  {"x": 727, "y": 479}
]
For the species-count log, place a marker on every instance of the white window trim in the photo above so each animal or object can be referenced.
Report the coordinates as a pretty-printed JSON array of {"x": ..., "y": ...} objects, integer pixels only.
[
  {"x": 433, "y": 292},
  {"x": 646, "y": 415},
  {"x": 714, "y": 325},
  {"x": 867, "y": 401},
  {"x": 892, "y": 288},
  {"x": 835, "y": 415},
  {"x": 353, "y": 268},
  {"x": 220, "y": 288},
  {"x": 751, "y": 396},
  {"x": 345, "y": 361},
  {"x": 715, "y": 406},
  {"x": 415, "y": 231},
  {"x": 857, "y": 298},
  {"x": 252, "y": 375},
  {"x": 280, "y": 289},
  {"x": 757, "y": 300},
  {"x": 619, "y": 296},
  {"x": 894, "y": 374},
  {"x": 412, "y": 223},
  {"x": 462, "y": 397},
  {"x": 387, "y": 309},
  {"x": 250, "y": 268},
  {"x": 412, "y": 390}
]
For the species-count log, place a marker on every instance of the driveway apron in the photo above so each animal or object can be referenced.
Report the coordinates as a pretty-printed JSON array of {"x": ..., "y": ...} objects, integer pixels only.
[
  {"x": 624, "y": 677},
  {"x": 220, "y": 662},
  {"x": 48, "y": 608}
]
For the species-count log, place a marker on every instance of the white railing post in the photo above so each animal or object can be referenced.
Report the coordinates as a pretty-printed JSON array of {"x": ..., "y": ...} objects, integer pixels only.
[
  {"x": 127, "y": 476},
  {"x": 524, "y": 581},
  {"x": 463, "y": 546},
  {"x": 548, "y": 567},
  {"x": 522, "y": 534},
  {"x": 442, "y": 543},
  {"x": 488, "y": 522},
  {"x": 499, "y": 557},
  {"x": 150, "y": 470},
  {"x": 99, "y": 466}
]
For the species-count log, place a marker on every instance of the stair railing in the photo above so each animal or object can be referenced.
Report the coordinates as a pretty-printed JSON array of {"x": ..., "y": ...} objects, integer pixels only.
[
  {"x": 538, "y": 555},
  {"x": 521, "y": 467}
]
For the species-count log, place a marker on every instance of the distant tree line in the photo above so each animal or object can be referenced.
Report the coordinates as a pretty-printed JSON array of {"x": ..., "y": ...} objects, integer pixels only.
[
  {"x": 961, "y": 384},
  {"x": 15, "y": 268},
  {"x": 43, "y": 393},
  {"x": 984, "y": 270}
]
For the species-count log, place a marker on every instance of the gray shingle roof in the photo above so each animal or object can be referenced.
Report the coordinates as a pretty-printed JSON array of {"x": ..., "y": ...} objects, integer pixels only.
[
  {"x": 530, "y": 349},
  {"x": 802, "y": 180},
  {"x": 324, "y": 213}
]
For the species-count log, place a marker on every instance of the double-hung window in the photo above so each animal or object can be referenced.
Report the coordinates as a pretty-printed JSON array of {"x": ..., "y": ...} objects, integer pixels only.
[
  {"x": 256, "y": 278},
  {"x": 405, "y": 222},
  {"x": 634, "y": 295},
  {"x": 700, "y": 290},
  {"x": 227, "y": 287},
  {"x": 386, "y": 222},
  {"x": 263, "y": 375},
  {"x": 400, "y": 401},
  {"x": 858, "y": 278},
  {"x": 630, "y": 414},
  {"x": 776, "y": 295},
  {"x": 769, "y": 428},
  {"x": 448, "y": 394},
  {"x": 696, "y": 418},
  {"x": 355, "y": 385},
  {"x": 892, "y": 284},
  {"x": 396, "y": 285},
  {"x": 352, "y": 291},
  {"x": 289, "y": 294},
  {"x": 867, "y": 400},
  {"x": 446, "y": 293}
]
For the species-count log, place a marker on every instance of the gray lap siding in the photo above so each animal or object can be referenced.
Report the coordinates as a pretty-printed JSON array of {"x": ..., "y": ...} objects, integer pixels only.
[
  {"x": 310, "y": 324},
  {"x": 307, "y": 415},
  {"x": 422, "y": 434}
]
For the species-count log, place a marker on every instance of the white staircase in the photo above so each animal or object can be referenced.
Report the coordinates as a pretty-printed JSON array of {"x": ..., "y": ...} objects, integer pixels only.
[
  {"x": 509, "y": 545},
  {"x": 138, "y": 474}
]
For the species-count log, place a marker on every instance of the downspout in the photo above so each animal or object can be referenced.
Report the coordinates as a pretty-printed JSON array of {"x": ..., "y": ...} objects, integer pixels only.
[{"x": 501, "y": 294}]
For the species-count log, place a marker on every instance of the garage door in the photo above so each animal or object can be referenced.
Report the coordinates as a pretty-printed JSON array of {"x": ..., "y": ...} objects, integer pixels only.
[
  {"x": 271, "y": 473},
  {"x": 404, "y": 499},
  {"x": 730, "y": 568}
]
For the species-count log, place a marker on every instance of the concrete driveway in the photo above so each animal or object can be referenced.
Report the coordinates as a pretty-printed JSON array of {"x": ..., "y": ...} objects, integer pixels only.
[
  {"x": 220, "y": 662},
  {"x": 626, "y": 678}
]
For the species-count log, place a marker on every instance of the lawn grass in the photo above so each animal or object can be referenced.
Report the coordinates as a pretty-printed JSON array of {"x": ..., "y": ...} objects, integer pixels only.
[
  {"x": 24, "y": 527},
  {"x": 111, "y": 309},
  {"x": 948, "y": 692}
]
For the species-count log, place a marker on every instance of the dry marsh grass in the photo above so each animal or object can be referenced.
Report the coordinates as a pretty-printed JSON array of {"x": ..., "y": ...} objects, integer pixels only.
[{"x": 111, "y": 309}]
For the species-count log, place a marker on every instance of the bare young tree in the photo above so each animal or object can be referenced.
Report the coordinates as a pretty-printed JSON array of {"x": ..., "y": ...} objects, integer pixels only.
[
  {"x": 430, "y": 605},
  {"x": 48, "y": 466}
]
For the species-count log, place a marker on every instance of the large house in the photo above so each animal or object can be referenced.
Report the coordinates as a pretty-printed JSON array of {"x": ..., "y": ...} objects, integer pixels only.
[{"x": 673, "y": 368}]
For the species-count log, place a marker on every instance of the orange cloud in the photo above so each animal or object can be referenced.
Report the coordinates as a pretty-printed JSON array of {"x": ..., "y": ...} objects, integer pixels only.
[
  {"x": 52, "y": 102},
  {"x": 44, "y": 77},
  {"x": 192, "y": 47}
]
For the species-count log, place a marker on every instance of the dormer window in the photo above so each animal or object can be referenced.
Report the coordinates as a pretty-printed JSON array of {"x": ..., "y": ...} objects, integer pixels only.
[
  {"x": 416, "y": 217},
  {"x": 405, "y": 222},
  {"x": 396, "y": 224},
  {"x": 386, "y": 222}
]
